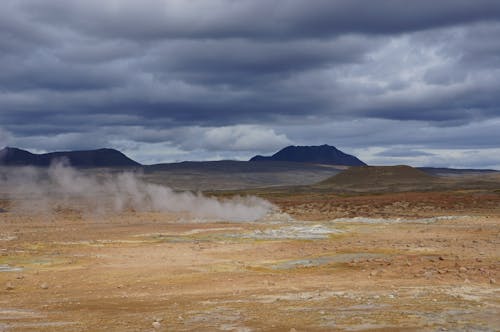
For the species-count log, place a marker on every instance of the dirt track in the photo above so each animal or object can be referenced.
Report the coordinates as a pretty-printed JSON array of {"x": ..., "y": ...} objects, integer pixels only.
[{"x": 151, "y": 271}]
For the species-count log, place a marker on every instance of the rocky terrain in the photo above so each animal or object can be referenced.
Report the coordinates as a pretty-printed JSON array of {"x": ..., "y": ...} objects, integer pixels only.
[{"x": 321, "y": 260}]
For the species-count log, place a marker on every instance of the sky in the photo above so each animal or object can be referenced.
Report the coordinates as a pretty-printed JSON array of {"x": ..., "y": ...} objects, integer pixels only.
[{"x": 390, "y": 81}]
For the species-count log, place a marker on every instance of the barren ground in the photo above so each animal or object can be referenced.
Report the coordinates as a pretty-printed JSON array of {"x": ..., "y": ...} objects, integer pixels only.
[{"x": 396, "y": 267}]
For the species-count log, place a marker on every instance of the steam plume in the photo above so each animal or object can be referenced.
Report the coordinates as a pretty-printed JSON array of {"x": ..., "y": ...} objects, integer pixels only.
[{"x": 64, "y": 187}]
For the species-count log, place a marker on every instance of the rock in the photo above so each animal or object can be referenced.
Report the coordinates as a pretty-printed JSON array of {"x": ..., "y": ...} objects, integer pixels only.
[
  {"x": 462, "y": 269},
  {"x": 44, "y": 285},
  {"x": 293, "y": 330},
  {"x": 156, "y": 325},
  {"x": 9, "y": 286},
  {"x": 441, "y": 258},
  {"x": 493, "y": 281}
]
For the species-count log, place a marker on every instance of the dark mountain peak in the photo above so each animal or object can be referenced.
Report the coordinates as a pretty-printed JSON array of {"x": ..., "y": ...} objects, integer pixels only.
[
  {"x": 323, "y": 148},
  {"x": 104, "y": 157},
  {"x": 318, "y": 154},
  {"x": 10, "y": 150},
  {"x": 14, "y": 156}
]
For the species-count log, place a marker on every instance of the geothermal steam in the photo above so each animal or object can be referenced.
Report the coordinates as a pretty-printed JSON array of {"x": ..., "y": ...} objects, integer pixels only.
[{"x": 35, "y": 190}]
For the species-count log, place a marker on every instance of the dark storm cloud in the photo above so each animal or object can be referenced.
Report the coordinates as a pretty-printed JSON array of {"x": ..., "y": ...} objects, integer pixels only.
[
  {"x": 156, "y": 19},
  {"x": 240, "y": 61},
  {"x": 132, "y": 73},
  {"x": 416, "y": 135}
]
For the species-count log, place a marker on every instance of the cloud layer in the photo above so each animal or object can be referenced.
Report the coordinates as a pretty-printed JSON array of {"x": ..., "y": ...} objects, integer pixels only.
[{"x": 172, "y": 80}]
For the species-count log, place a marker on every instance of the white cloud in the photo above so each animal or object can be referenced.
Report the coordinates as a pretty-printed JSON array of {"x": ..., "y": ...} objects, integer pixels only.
[
  {"x": 239, "y": 142},
  {"x": 243, "y": 138},
  {"x": 152, "y": 153}
]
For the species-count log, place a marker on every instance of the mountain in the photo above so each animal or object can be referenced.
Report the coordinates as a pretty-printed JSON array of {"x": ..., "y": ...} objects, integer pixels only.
[
  {"x": 88, "y": 158},
  {"x": 323, "y": 154}
]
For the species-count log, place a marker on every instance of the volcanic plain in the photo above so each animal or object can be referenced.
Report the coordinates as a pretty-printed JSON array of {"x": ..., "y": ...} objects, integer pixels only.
[{"x": 390, "y": 249}]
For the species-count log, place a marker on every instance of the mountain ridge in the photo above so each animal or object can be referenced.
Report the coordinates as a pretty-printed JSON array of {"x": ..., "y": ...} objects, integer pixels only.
[
  {"x": 107, "y": 157},
  {"x": 322, "y": 154},
  {"x": 104, "y": 157}
]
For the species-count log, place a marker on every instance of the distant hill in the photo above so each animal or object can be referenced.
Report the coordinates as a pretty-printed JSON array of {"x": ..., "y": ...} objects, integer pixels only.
[
  {"x": 442, "y": 171},
  {"x": 379, "y": 175},
  {"x": 380, "y": 178},
  {"x": 88, "y": 158},
  {"x": 234, "y": 166},
  {"x": 235, "y": 175},
  {"x": 323, "y": 154}
]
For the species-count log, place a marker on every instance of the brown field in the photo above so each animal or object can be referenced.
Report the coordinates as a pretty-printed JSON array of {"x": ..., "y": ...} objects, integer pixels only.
[{"x": 326, "y": 260}]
